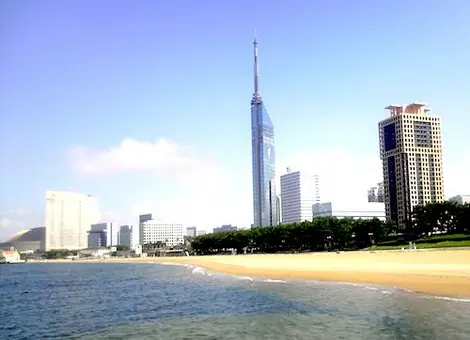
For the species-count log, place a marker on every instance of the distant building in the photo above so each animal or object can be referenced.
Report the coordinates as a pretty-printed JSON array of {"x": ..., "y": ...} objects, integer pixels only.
[
  {"x": 9, "y": 256},
  {"x": 27, "y": 240},
  {"x": 125, "y": 236},
  {"x": 99, "y": 235},
  {"x": 299, "y": 191},
  {"x": 136, "y": 232},
  {"x": 157, "y": 230},
  {"x": 145, "y": 217},
  {"x": 368, "y": 210},
  {"x": 226, "y": 227},
  {"x": 201, "y": 232},
  {"x": 278, "y": 210},
  {"x": 191, "y": 231},
  {"x": 68, "y": 218},
  {"x": 411, "y": 153},
  {"x": 460, "y": 199},
  {"x": 376, "y": 194}
]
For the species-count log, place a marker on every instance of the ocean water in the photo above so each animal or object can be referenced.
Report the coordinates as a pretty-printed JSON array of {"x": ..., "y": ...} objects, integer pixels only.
[{"x": 155, "y": 301}]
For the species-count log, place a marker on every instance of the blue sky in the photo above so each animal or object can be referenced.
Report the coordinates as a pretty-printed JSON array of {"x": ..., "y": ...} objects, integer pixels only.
[{"x": 80, "y": 77}]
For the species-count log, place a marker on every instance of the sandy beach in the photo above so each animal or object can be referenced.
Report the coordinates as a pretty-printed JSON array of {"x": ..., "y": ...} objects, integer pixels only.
[{"x": 438, "y": 272}]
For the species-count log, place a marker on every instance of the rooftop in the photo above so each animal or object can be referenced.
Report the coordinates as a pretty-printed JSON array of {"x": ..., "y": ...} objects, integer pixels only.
[{"x": 413, "y": 108}]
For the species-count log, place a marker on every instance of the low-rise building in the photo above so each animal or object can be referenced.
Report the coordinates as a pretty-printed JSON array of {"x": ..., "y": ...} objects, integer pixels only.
[
  {"x": 157, "y": 230},
  {"x": 9, "y": 256},
  {"x": 366, "y": 210},
  {"x": 96, "y": 252},
  {"x": 223, "y": 228}
]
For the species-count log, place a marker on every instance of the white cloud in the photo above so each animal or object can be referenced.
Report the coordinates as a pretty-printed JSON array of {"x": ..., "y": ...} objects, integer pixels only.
[
  {"x": 131, "y": 156},
  {"x": 204, "y": 193}
]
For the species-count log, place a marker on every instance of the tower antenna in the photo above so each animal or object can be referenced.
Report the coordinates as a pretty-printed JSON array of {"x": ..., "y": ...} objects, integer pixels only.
[{"x": 256, "y": 94}]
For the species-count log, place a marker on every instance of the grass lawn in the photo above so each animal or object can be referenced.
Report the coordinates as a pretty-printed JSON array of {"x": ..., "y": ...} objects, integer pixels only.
[{"x": 437, "y": 241}]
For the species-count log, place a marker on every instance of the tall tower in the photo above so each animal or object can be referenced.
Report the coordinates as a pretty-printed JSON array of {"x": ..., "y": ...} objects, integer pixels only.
[
  {"x": 263, "y": 159},
  {"x": 411, "y": 153}
]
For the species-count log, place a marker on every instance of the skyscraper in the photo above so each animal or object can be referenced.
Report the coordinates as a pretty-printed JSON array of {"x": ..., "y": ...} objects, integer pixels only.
[
  {"x": 411, "y": 153},
  {"x": 299, "y": 192},
  {"x": 125, "y": 236},
  {"x": 99, "y": 235},
  {"x": 69, "y": 217},
  {"x": 263, "y": 160}
]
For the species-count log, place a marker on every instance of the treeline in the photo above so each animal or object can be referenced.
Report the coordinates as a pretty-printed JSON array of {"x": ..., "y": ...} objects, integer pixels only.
[
  {"x": 331, "y": 233},
  {"x": 59, "y": 254}
]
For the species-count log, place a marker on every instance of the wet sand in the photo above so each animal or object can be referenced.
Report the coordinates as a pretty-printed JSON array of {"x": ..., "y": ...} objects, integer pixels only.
[{"x": 438, "y": 272}]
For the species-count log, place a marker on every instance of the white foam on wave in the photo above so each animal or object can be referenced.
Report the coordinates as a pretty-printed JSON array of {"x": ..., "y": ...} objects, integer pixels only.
[
  {"x": 448, "y": 298},
  {"x": 387, "y": 292},
  {"x": 198, "y": 270},
  {"x": 371, "y": 288},
  {"x": 274, "y": 281},
  {"x": 244, "y": 278},
  {"x": 171, "y": 264},
  {"x": 342, "y": 283}
]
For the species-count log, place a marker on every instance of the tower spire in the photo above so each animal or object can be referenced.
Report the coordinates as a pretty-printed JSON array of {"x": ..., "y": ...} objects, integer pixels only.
[{"x": 256, "y": 94}]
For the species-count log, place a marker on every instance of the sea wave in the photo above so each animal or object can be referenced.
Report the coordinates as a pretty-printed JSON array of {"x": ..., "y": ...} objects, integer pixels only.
[
  {"x": 448, "y": 298},
  {"x": 198, "y": 270},
  {"x": 171, "y": 264},
  {"x": 244, "y": 278},
  {"x": 274, "y": 281}
]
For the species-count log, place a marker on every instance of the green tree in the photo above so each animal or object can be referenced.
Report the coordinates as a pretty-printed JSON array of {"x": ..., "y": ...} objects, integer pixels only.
[{"x": 329, "y": 233}]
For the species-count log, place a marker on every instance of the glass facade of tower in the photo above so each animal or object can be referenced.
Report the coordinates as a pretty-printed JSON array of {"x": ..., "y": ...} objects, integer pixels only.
[{"x": 264, "y": 168}]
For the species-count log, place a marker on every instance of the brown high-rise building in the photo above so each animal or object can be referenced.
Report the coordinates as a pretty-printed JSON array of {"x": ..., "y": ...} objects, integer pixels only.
[{"x": 411, "y": 153}]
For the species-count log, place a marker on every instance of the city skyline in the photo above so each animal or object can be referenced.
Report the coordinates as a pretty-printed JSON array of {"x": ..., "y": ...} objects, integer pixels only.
[{"x": 147, "y": 118}]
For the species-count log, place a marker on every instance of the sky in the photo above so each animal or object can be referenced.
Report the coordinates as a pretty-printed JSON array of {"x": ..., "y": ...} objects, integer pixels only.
[{"x": 146, "y": 104}]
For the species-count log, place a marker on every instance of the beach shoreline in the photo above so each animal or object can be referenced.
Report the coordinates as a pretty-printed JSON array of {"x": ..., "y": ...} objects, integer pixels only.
[{"x": 442, "y": 273}]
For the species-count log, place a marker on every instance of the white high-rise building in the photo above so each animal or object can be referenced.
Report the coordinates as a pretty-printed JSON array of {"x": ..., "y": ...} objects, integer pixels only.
[
  {"x": 299, "y": 192},
  {"x": 156, "y": 230},
  {"x": 69, "y": 217}
]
